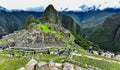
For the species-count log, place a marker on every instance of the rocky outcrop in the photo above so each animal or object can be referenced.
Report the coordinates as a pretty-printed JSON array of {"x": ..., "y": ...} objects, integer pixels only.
[{"x": 52, "y": 16}]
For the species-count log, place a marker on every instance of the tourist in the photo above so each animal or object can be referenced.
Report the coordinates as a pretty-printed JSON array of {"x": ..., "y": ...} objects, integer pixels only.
[
  {"x": 100, "y": 52},
  {"x": 48, "y": 51},
  {"x": 90, "y": 49}
]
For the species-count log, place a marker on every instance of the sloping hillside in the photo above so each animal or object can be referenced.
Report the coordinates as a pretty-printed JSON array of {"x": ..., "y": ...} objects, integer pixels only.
[
  {"x": 89, "y": 21},
  {"x": 12, "y": 21},
  {"x": 108, "y": 35}
]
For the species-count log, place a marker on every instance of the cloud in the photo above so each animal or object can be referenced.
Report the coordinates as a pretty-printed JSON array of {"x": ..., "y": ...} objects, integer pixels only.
[
  {"x": 59, "y": 4},
  {"x": 37, "y": 9}
]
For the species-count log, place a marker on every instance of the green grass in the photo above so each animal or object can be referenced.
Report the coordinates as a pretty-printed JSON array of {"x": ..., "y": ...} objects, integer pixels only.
[
  {"x": 46, "y": 29},
  {"x": 4, "y": 52},
  {"x": 3, "y": 41},
  {"x": 104, "y": 65},
  {"x": 48, "y": 57},
  {"x": 13, "y": 63},
  {"x": 104, "y": 57},
  {"x": 82, "y": 51},
  {"x": 2, "y": 59}
]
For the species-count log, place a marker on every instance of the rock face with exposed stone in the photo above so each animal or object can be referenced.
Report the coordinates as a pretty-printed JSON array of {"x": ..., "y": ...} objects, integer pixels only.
[{"x": 31, "y": 65}]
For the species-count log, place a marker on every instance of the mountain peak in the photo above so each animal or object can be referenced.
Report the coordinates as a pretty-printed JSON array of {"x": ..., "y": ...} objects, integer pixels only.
[
  {"x": 50, "y": 8},
  {"x": 52, "y": 16}
]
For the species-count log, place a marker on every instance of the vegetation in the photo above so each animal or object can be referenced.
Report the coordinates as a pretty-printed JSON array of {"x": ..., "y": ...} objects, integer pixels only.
[
  {"x": 48, "y": 57},
  {"x": 3, "y": 41},
  {"x": 15, "y": 62},
  {"x": 82, "y": 51},
  {"x": 47, "y": 29},
  {"x": 104, "y": 65},
  {"x": 29, "y": 20},
  {"x": 108, "y": 35},
  {"x": 12, "y": 63},
  {"x": 85, "y": 43}
]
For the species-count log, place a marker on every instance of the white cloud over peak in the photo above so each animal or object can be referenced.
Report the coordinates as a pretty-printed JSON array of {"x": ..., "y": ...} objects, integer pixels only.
[{"x": 59, "y": 4}]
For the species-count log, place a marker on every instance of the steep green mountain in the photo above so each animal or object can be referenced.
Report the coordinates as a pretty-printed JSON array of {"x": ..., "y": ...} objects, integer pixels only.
[
  {"x": 12, "y": 21},
  {"x": 108, "y": 36},
  {"x": 90, "y": 20},
  {"x": 52, "y": 16}
]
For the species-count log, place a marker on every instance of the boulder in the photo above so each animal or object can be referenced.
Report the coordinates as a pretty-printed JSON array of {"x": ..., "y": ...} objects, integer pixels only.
[
  {"x": 52, "y": 66},
  {"x": 59, "y": 66},
  {"x": 31, "y": 65},
  {"x": 68, "y": 66},
  {"x": 42, "y": 66},
  {"x": 51, "y": 63},
  {"x": 117, "y": 57}
]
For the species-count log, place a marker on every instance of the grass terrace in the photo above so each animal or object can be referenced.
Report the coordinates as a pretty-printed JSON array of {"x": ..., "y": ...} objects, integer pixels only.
[{"x": 104, "y": 65}]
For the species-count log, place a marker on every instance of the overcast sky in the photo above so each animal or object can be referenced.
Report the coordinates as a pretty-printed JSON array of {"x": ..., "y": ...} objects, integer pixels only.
[{"x": 59, "y": 4}]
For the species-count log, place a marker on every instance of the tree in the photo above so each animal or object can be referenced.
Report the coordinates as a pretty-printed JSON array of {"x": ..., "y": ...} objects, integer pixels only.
[{"x": 29, "y": 20}]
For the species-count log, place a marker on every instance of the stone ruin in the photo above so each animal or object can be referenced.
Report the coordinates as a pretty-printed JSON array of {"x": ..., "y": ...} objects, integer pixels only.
[
  {"x": 36, "y": 38},
  {"x": 34, "y": 65}
]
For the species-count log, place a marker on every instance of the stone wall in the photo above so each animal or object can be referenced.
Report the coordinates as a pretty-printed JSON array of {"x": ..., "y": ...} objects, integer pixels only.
[{"x": 34, "y": 65}]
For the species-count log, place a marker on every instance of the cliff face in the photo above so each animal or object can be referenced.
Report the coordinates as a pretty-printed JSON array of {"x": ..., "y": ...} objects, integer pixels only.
[
  {"x": 108, "y": 36},
  {"x": 52, "y": 16}
]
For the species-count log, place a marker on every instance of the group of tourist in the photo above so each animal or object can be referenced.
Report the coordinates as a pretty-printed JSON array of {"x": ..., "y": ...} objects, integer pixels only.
[
  {"x": 102, "y": 53},
  {"x": 65, "y": 51}
]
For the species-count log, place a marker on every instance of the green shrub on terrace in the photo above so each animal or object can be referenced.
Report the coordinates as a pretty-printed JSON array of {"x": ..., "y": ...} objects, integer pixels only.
[{"x": 85, "y": 43}]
